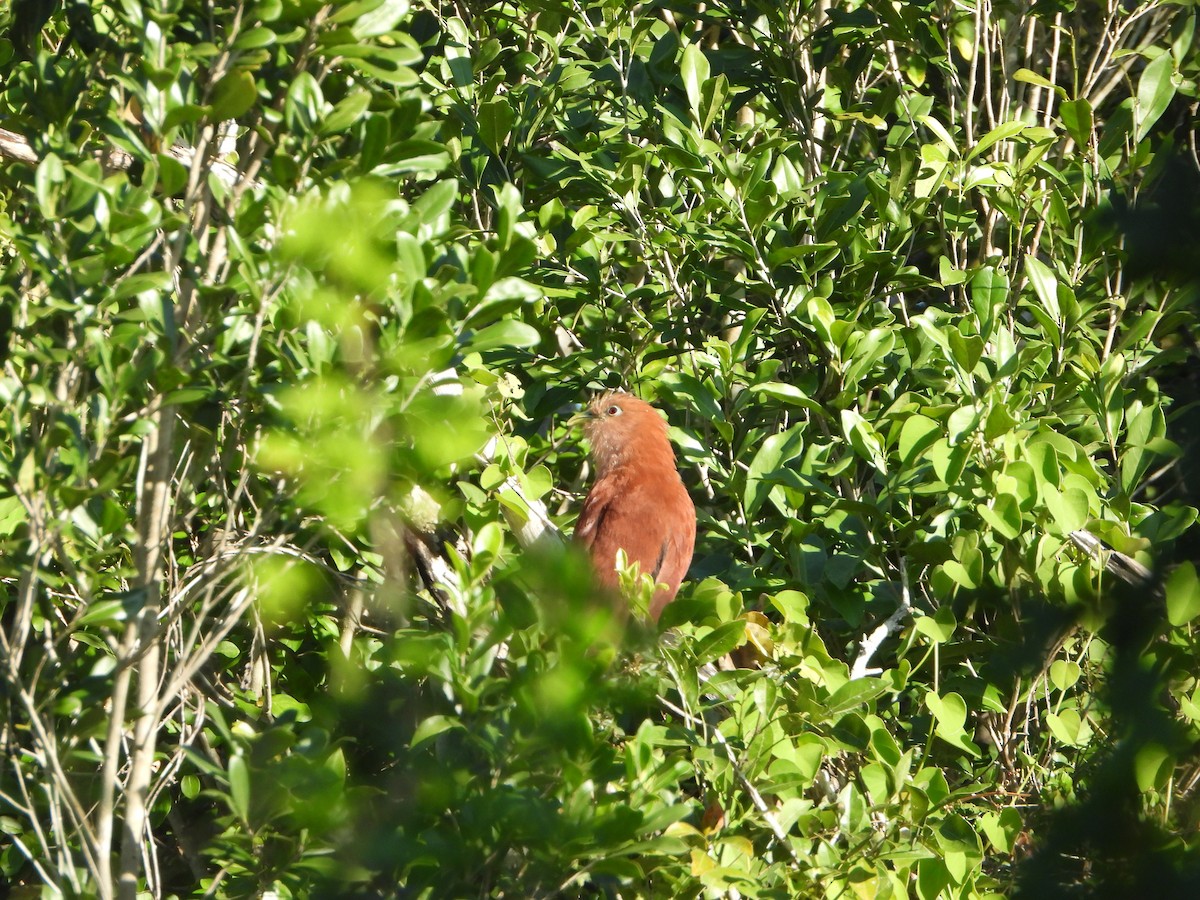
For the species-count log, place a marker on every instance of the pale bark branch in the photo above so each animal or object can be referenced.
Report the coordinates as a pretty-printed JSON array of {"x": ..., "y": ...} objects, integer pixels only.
[
  {"x": 1124, "y": 567},
  {"x": 18, "y": 148},
  {"x": 153, "y": 534},
  {"x": 861, "y": 667},
  {"x": 14, "y": 146}
]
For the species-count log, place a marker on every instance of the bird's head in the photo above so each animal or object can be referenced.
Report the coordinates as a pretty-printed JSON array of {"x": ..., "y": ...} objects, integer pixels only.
[{"x": 620, "y": 427}]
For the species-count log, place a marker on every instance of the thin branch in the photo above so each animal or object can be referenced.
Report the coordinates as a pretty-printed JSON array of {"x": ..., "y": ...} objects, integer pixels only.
[
  {"x": 17, "y": 147},
  {"x": 153, "y": 534},
  {"x": 891, "y": 625},
  {"x": 752, "y": 792},
  {"x": 1124, "y": 567},
  {"x": 14, "y": 146}
]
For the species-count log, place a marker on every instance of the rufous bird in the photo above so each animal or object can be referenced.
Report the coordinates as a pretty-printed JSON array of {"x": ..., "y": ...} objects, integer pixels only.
[{"x": 638, "y": 502}]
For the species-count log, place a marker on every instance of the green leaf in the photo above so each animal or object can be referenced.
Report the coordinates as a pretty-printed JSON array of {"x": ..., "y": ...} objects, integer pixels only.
[
  {"x": 12, "y": 511},
  {"x": 435, "y": 202},
  {"x": 967, "y": 568},
  {"x": 27, "y": 474},
  {"x": 1068, "y": 509},
  {"x": 420, "y": 156},
  {"x": 1030, "y": 77},
  {"x": 172, "y": 174},
  {"x": 792, "y": 605},
  {"x": 962, "y": 423},
  {"x": 1153, "y": 766},
  {"x": 852, "y": 732},
  {"x": 348, "y": 111},
  {"x": 1156, "y": 89},
  {"x": 1045, "y": 285},
  {"x": 141, "y": 283},
  {"x": 999, "y": 423},
  {"x": 863, "y": 439},
  {"x": 989, "y": 294},
  {"x": 233, "y": 95},
  {"x": 775, "y": 451},
  {"x": 505, "y": 333},
  {"x": 713, "y": 96},
  {"x": 786, "y": 393},
  {"x": 950, "y": 715},
  {"x": 693, "y": 67},
  {"x": 254, "y": 39},
  {"x": 1183, "y": 594},
  {"x": 486, "y": 544},
  {"x": 432, "y": 727},
  {"x": 379, "y": 19},
  {"x": 388, "y": 64},
  {"x": 1077, "y": 119},
  {"x": 49, "y": 175},
  {"x": 747, "y": 334},
  {"x": 948, "y": 276},
  {"x": 105, "y": 613},
  {"x": 916, "y": 435},
  {"x": 854, "y": 695},
  {"x": 1003, "y": 132},
  {"x": 239, "y": 788},
  {"x": 1044, "y": 460},
  {"x": 1002, "y": 829},
  {"x": 966, "y": 350},
  {"x": 495, "y": 124},
  {"x": 934, "y": 125},
  {"x": 720, "y": 641},
  {"x": 819, "y": 313},
  {"x": 1068, "y": 727},
  {"x": 1064, "y": 673},
  {"x": 1142, "y": 429},
  {"x": 1004, "y": 515},
  {"x": 939, "y": 627}
]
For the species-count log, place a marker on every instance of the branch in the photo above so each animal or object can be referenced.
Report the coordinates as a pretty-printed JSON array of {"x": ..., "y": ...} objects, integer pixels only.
[
  {"x": 18, "y": 148},
  {"x": 13, "y": 146},
  {"x": 153, "y": 530},
  {"x": 1124, "y": 567},
  {"x": 891, "y": 625},
  {"x": 529, "y": 519},
  {"x": 752, "y": 792}
]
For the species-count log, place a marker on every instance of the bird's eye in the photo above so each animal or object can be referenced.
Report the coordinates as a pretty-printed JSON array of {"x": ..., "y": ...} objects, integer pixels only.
[{"x": 613, "y": 410}]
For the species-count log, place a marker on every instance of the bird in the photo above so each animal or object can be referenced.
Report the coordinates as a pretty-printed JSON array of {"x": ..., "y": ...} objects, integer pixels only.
[{"x": 638, "y": 502}]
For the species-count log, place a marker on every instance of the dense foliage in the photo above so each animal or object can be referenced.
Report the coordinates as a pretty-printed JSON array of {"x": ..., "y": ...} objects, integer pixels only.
[{"x": 297, "y": 298}]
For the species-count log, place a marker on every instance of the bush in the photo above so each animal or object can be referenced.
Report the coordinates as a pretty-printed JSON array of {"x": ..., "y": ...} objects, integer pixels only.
[{"x": 299, "y": 297}]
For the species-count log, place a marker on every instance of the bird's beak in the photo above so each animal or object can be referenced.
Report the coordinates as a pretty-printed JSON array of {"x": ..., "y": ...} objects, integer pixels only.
[{"x": 582, "y": 415}]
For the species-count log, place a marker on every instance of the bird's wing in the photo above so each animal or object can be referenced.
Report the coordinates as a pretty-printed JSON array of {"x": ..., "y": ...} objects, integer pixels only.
[
  {"x": 663, "y": 552},
  {"x": 675, "y": 554},
  {"x": 595, "y": 508},
  {"x": 651, "y": 522}
]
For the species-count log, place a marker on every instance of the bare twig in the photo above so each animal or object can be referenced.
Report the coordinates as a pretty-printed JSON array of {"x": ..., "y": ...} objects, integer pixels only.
[
  {"x": 1124, "y": 567},
  {"x": 153, "y": 534},
  {"x": 14, "y": 146},
  {"x": 871, "y": 643},
  {"x": 17, "y": 147}
]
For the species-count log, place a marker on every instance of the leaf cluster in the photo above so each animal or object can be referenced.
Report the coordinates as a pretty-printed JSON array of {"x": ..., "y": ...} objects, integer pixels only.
[{"x": 297, "y": 299}]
